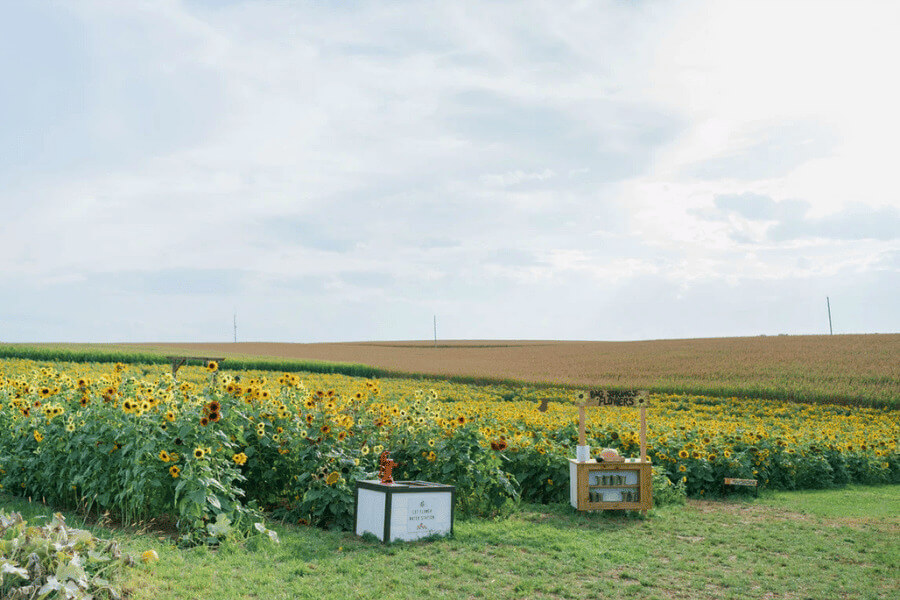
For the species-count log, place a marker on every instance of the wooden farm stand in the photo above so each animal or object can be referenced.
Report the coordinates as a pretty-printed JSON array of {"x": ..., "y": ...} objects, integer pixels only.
[
  {"x": 623, "y": 484},
  {"x": 180, "y": 361}
]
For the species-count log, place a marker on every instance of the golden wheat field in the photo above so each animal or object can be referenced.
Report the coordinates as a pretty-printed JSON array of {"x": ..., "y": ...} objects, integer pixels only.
[{"x": 851, "y": 368}]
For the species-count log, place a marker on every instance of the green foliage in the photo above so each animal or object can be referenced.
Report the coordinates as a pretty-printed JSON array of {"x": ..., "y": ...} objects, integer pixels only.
[
  {"x": 56, "y": 561},
  {"x": 777, "y": 467},
  {"x": 142, "y": 450},
  {"x": 665, "y": 492},
  {"x": 542, "y": 471},
  {"x": 483, "y": 488}
]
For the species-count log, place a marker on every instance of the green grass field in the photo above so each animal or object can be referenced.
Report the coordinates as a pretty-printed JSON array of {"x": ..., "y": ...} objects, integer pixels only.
[{"x": 817, "y": 545}]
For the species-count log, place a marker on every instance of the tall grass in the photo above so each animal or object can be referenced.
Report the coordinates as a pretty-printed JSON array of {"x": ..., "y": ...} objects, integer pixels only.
[
  {"x": 853, "y": 370},
  {"x": 94, "y": 355}
]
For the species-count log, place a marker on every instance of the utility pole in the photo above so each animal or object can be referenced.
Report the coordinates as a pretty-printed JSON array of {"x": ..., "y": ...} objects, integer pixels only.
[
  {"x": 435, "y": 331},
  {"x": 828, "y": 302},
  {"x": 235, "y": 327}
]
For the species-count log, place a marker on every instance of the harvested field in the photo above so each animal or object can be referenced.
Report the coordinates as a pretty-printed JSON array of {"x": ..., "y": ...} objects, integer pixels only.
[{"x": 846, "y": 368}]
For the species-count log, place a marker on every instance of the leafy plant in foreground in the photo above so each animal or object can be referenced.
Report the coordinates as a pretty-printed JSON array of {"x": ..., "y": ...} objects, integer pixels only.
[{"x": 56, "y": 561}]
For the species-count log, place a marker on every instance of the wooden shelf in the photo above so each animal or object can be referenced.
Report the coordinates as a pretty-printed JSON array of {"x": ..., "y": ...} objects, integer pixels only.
[{"x": 636, "y": 477}]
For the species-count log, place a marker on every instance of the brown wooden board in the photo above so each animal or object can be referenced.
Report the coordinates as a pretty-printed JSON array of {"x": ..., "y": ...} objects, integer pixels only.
[
  {"x": 635, "y": 398},
  {"x": 747, "y": 482}
]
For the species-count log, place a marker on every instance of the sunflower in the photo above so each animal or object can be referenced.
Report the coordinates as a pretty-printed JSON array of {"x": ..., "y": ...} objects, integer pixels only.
[
  {"x": 164, "y": 456},
  {"x": 239, "y": 459},
  {"x": 212, "y": 366},
  {"x": 38, "y": 436},
  {"x": 333, "y": 478},
  {"x": 683, "y": 454},
  {"x": 199, "y": 452},
  {"x": 431, "y": 456},
  {"x": 325, "y": 429},
  {"x": 170, "y": 416},
  {"x": 682, "y": 468},
  {"x": 174, "y": 471}
]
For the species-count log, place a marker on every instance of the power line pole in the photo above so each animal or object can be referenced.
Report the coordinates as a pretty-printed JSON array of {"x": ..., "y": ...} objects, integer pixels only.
[
  {"x": 435, "y": 331},
  {"x": 828, "y": 302},
  {"x": 235, "y": 327}
]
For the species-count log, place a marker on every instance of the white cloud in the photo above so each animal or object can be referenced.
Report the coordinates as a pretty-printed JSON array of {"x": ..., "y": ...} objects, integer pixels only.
[
  {"x": 516, "y": 177},
  {"x": 462, "y": 156}
]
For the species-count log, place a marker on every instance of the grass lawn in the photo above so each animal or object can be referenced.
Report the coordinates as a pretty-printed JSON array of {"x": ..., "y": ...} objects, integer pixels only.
[{"x": 817, "y": 545}]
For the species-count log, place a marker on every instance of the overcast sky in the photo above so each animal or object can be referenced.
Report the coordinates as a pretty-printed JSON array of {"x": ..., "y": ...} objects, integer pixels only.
[{"x": 344, "y": 171}]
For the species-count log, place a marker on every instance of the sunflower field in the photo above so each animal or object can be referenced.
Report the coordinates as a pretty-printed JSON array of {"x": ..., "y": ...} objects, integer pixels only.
[{"x": 210, "y": 450}]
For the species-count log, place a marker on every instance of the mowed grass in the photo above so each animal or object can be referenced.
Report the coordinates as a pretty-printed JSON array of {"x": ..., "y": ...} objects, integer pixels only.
[
  {"x": 853, "y": 369},
  {"x": 818, "y": 545}
]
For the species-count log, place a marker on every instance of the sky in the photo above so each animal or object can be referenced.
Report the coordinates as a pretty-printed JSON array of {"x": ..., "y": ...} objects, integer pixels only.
[{"x": 348, "y": 171}]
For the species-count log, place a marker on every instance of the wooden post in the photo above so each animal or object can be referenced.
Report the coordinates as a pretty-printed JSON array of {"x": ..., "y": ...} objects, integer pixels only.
[
  {"x": 177, "y": 363},
  {"x": 643, "y": 434},
  {"x": 582, "y": 435}
]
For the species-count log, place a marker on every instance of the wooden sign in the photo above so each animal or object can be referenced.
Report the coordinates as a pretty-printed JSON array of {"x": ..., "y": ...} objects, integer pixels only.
[
  {"x": 747, "y": 482},
  {"x": 635, "y": 398}
]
